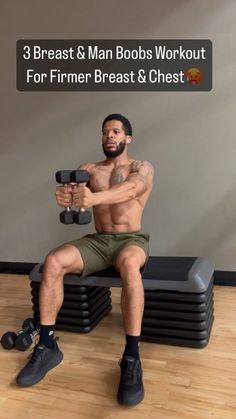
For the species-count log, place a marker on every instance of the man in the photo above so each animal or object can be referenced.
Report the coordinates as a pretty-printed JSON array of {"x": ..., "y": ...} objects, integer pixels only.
[{"x": 118, "y": 190}]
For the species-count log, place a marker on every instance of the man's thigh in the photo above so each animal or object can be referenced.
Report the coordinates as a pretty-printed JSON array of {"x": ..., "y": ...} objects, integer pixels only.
[
  {"x": 131, "y": 256},
  {"x": 135, "y": 249},
  {"x": 94, "y": 252},
  {"x": 67, "y": 257}
]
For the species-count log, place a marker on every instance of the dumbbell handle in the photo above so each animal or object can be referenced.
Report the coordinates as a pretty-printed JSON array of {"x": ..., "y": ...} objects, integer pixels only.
[
  {"x": 68, "y": 209},
  {"x": 82, "y": 184},
  {"x": 35, "y": 333}
]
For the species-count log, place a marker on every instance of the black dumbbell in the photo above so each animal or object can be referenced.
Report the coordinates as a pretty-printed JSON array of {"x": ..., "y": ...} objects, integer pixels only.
[
  {"x": 70, "y": 216},
  {"x": 64, "y": 177},
  {"x": 8, "y": 340},
  {"x": 81, "y": 216},
  {"x": 25, "y": 340}
]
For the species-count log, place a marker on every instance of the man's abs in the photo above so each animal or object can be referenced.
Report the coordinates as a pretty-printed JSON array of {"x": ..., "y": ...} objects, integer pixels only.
[{"x": 118, "y": 218}]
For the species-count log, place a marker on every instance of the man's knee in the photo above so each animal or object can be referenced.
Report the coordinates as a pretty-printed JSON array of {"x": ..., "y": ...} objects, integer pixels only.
[
  {"x": 53, "y": 264},
  {"x": 129, "y": 265},
  {"x": 62, "y": 260},
  {"x": 130, "y": 260}
]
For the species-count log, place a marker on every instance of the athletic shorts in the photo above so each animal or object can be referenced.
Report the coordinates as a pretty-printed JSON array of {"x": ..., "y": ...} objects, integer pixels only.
[{"x": 99, "y": 250}]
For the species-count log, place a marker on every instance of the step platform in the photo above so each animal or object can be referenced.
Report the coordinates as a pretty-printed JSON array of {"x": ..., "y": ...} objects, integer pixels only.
[
  {"x": 177, "y": 317},
  {"x": 82, "y": 309},
  {"x": 179, "y": 300}
]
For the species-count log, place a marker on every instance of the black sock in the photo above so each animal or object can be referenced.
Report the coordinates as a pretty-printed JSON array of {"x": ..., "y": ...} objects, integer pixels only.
[
  {"x": 47, "y": 335},
  {"x": 132, "y": 346}
]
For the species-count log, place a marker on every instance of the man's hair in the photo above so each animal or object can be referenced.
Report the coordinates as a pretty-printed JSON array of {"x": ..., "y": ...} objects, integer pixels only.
[{"x": 118, "y": 117}]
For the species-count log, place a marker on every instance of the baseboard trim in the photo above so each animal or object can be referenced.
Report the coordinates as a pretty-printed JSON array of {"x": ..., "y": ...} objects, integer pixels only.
[
  {"x": 16, "y": 268},
  {"x": 227, "y": 278},
  {"x": 224, "y": 278}
]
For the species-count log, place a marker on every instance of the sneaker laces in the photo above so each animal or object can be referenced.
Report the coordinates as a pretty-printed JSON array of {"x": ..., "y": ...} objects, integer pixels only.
[
  {"x": 35, "y": 352},
  {"x": 33, "y": 356},
  {"x": 130, "y": 370}
]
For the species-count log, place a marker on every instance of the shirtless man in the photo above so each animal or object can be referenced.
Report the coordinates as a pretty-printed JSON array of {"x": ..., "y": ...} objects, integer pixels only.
[{"x": 118, "y": 190}]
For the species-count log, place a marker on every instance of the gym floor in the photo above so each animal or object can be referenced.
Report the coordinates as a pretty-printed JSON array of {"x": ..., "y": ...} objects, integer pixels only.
[{"x": 179, "y": 382}]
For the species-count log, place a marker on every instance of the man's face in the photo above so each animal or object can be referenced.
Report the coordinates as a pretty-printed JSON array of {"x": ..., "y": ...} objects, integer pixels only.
[{"x": 114, "y": 139}]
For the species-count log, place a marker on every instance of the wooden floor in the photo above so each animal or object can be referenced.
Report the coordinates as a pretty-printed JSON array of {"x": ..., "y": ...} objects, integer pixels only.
[{"x": 179, "y": 382}]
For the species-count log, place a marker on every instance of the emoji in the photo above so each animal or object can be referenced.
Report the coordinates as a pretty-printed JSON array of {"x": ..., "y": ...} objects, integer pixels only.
[{"x": 194, "y": 75}]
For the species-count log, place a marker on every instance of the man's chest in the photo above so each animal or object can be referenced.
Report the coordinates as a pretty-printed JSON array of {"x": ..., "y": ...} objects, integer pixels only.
[{"x": 104, "y": 178}]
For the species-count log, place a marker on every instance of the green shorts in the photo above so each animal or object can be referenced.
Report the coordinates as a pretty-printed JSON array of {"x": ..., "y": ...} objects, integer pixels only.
[{"x": 99, "y": 250}]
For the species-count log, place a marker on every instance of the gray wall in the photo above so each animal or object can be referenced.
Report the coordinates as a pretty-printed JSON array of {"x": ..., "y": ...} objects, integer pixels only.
[{"x": 189, "y": 137}]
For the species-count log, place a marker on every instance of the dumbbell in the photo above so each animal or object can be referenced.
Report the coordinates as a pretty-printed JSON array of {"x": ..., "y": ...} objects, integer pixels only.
[
  {"x": 8, "y": 340},
  {"x": 73, "y": 176},
  {"x": 64, "y": 177},
  {"x": 25, "y": 340},
  {"x": 81, "y": 216}
]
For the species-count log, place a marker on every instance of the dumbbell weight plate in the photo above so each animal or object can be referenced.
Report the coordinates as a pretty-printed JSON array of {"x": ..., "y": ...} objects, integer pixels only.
[
  {"x": 67, "y": 217},
  {"x": 25, "y": 340},
  {"x": 28, "y": 323},
  {"x": 8, "y": 340},
  {"x": 82, "y": 217}
]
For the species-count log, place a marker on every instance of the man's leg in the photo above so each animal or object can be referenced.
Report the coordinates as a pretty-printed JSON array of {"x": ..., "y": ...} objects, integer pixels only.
[
  {"x": 46, "y": 354},
  {"x": 129, "y": 262},
  {"x": 58, "y": 262}
]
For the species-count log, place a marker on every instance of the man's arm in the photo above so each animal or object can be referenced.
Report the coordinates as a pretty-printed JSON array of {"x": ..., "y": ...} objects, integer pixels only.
[
  {"x": 85, "y": 166},
  {"x": 136, "y": 184}
]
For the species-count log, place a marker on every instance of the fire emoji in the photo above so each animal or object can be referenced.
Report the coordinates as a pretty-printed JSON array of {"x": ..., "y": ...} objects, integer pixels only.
[{"x": 194, "y": 75}]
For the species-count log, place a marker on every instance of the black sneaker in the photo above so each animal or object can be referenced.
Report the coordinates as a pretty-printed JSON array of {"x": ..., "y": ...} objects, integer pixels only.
[
  {"x": 130, "y": 391},
  {"x": 41, "y": 361}
]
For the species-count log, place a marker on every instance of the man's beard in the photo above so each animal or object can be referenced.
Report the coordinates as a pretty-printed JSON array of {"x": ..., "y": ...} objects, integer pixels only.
[{"x": 114, "y": 153}]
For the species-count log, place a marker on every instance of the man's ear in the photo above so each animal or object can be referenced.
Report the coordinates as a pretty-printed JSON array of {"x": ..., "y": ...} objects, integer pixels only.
[{"x": 128, "y": 139}]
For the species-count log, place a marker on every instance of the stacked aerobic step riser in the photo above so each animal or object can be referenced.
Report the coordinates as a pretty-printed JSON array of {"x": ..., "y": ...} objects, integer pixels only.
[
  {"x": 173, "y": 316},
  {"x": 82, "y": 309}
]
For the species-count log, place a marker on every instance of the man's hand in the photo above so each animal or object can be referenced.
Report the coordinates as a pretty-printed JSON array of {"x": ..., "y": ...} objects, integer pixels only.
[
  {"x": 64, "y": 195},
  {"x": 83, "y": 197}
]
